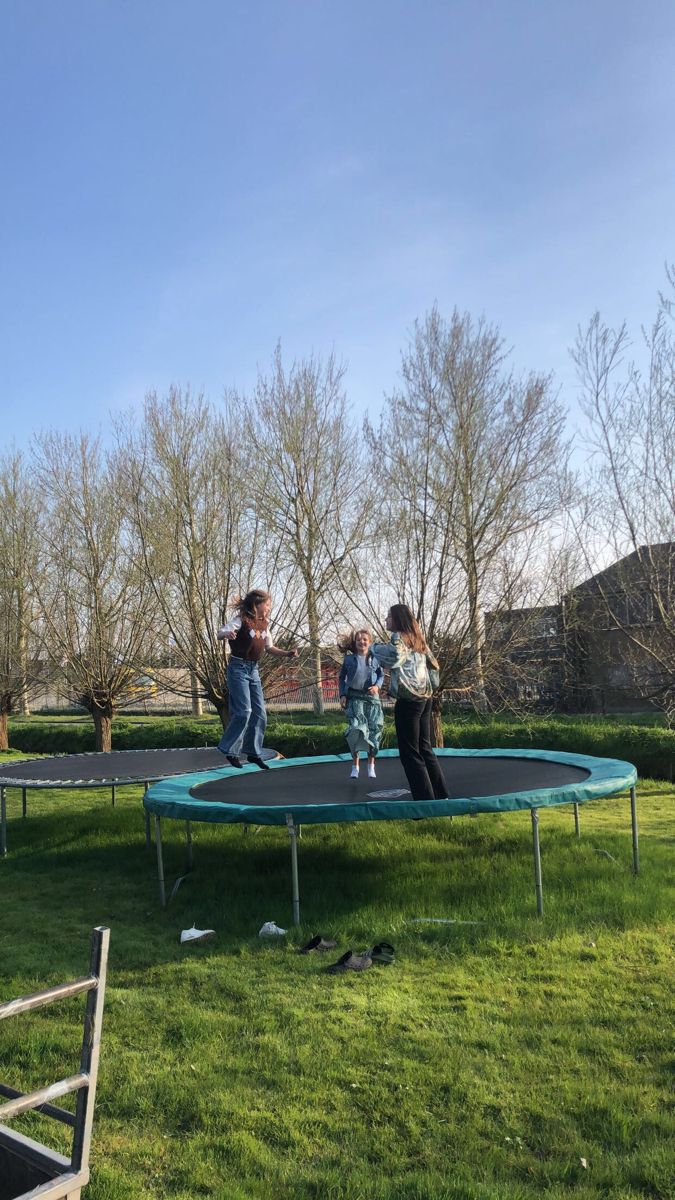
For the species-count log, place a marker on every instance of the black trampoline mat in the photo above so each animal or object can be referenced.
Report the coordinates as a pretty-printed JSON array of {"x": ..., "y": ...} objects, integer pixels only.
[
  {"x": 330, "y": 783},
  {"x": 117, "y": 766}
]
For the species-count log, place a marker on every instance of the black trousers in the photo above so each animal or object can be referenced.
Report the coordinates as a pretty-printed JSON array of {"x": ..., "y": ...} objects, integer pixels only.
[{"x": 413, "y": 732}]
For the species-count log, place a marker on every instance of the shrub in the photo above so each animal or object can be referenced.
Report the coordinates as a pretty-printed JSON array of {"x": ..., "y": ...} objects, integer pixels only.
[{"x": 650, "y": 748}]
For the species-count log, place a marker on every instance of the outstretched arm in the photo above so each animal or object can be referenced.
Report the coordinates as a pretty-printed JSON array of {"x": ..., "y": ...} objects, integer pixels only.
[
  {"x": 279, "y": 653},
  {"x": 391, "y": 654}
]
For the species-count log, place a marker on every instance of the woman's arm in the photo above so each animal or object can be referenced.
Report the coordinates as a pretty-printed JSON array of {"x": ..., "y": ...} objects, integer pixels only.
[
  {"x": 276, "y": 650},
  {"x": 279, "y": 653},
  {"x": 342, "y": 682},
  {"x": 391, "y": 654},
  {"x": 229, "y": 630},
  {"x": 379, "y": 673}
]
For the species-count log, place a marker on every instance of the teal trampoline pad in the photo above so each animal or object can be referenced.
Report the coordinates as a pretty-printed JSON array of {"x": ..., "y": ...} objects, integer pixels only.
[{"x": 319, "y": 790}]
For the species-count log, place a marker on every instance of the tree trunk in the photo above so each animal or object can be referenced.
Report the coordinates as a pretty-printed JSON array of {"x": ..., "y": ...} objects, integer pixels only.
[
  {"x": 103, "y": 729},
  {"x": 318, "y": 686},
  {"x": 223, "y": 711},
  {"x": 436, "y": 723},
  {"x": 4, "y": 734},
  {"x": 197, "y": 707},
  {"x": 23, "y": 666},
  {"x": 476, "y": 639},
  {"x": 313, "y": 623}
]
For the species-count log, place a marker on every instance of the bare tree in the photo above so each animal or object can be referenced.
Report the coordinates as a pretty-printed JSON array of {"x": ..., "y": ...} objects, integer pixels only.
[
  {"x": 200, "y": 538},
  {"x": 630, "y": 434},
  {"x": 94, "y": 602},
  {"x": 472, "y": 456},
  {"x": 20, "y": 669},
  {"x": 311, "y": 486}
]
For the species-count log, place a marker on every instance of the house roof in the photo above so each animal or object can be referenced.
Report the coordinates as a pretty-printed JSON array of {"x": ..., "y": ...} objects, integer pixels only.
[{"x": 655, "y": 558}]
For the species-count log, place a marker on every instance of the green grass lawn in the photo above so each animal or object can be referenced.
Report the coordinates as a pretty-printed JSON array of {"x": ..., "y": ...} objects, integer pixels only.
[{"x": 500, "y": 1057}]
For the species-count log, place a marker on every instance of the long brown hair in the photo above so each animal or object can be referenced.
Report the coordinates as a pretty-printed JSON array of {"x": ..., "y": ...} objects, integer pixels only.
[
  {"x": 405, "y": 623},
  {"x": 246, "y": 605},
  {"x": 347, "y": 643}
]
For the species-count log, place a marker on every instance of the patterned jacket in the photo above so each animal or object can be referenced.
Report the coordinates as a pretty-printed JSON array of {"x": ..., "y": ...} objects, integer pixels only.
[{"x": 409, "y": 669}]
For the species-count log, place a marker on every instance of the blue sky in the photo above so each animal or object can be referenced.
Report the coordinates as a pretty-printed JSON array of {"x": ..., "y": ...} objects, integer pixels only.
[{"x": 186, "y": 183}]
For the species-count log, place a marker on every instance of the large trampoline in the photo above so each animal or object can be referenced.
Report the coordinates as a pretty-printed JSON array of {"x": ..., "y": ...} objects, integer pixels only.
[
  {"x": 117, "y": 768},
  {"x": 303, "y": 791}
]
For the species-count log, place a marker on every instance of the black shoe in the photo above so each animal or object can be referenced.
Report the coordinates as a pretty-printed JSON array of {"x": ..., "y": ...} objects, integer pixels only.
[
  {"x": 233, "y": 760},
  {"x": 258, "y": 762}
]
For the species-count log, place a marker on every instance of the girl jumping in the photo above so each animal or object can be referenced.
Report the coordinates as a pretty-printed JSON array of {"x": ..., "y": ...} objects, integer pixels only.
[
  {"x": 361, "y": 678},
  {"x": 249, "y": 637}
]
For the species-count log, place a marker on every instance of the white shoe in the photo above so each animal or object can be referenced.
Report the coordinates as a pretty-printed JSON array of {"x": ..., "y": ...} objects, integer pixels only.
[
  {"x": 269, "y": 929},
  {"x": 371, "y": 771},
  {"x": 355, "y": 771},
  {"x": 197, "y": 935}
]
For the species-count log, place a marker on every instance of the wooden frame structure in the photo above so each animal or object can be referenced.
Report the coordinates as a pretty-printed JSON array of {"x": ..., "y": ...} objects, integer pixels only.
[{"x": 29, "y": 1170}]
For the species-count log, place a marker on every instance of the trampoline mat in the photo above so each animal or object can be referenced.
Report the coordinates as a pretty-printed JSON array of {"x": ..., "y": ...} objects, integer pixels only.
[
  {"x": 116, "y": 766},
  {"x": 329, "y": 782}
]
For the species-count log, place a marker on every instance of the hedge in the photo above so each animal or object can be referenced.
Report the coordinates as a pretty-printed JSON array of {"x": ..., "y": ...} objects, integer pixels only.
[
  {"x": 77, "y": 737},
  {"x": 650, "y": 748}
]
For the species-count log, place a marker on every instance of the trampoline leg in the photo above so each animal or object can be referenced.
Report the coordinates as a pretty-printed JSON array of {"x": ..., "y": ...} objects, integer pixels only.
[
  {"x": 23, "y": 802},
  {"x": 537, "y": 863},
  {"x": 148, "y": 839},
  {"x": 3, "y": 823},
  {"x": 292, "y": 833},
  {"x": 633, "y": 818},
  {"x": 160, "y": 861},
  {"x": 577, "y": 828},
  {"x": 188, "y": 846},
  {"x": 112, "y": 790}
]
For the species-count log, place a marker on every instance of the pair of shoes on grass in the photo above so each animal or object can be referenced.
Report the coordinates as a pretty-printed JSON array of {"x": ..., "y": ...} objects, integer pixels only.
[{"x": 382, "y": 953}]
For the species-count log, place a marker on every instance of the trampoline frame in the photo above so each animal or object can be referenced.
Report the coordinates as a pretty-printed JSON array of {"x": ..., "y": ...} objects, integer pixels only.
[{"x": 607, "y": 777}]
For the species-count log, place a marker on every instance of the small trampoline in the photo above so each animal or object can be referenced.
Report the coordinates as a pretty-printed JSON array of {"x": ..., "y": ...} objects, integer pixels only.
[
  {"x": 117, "y": 768},
  {"x": 304, "y": 791}
]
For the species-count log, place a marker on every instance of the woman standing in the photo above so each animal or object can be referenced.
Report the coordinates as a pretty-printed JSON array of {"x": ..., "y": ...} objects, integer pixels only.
[
  {"x": 409, "y": 659},
  {"x": 249, "y": 637}
]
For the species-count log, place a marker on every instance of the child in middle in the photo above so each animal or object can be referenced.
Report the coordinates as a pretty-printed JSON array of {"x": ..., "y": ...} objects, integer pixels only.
[{"x": 361, "y": 678}]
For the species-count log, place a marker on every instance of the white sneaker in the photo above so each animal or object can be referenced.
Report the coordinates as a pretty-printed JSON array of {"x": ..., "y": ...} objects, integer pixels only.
[
  {"x": 355, "y": 771},
  {"x": 269, "y": 929},
  {"x": 197, "y": 935},
  {"x": 371, "y": 771}
]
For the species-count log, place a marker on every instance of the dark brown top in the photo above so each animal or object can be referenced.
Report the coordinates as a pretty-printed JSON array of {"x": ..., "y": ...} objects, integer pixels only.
[{"x": 251, "y": 640}]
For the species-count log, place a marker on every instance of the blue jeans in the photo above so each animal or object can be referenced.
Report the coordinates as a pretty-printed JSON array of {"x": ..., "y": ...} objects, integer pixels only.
[{"x": 248, "y": 717}]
